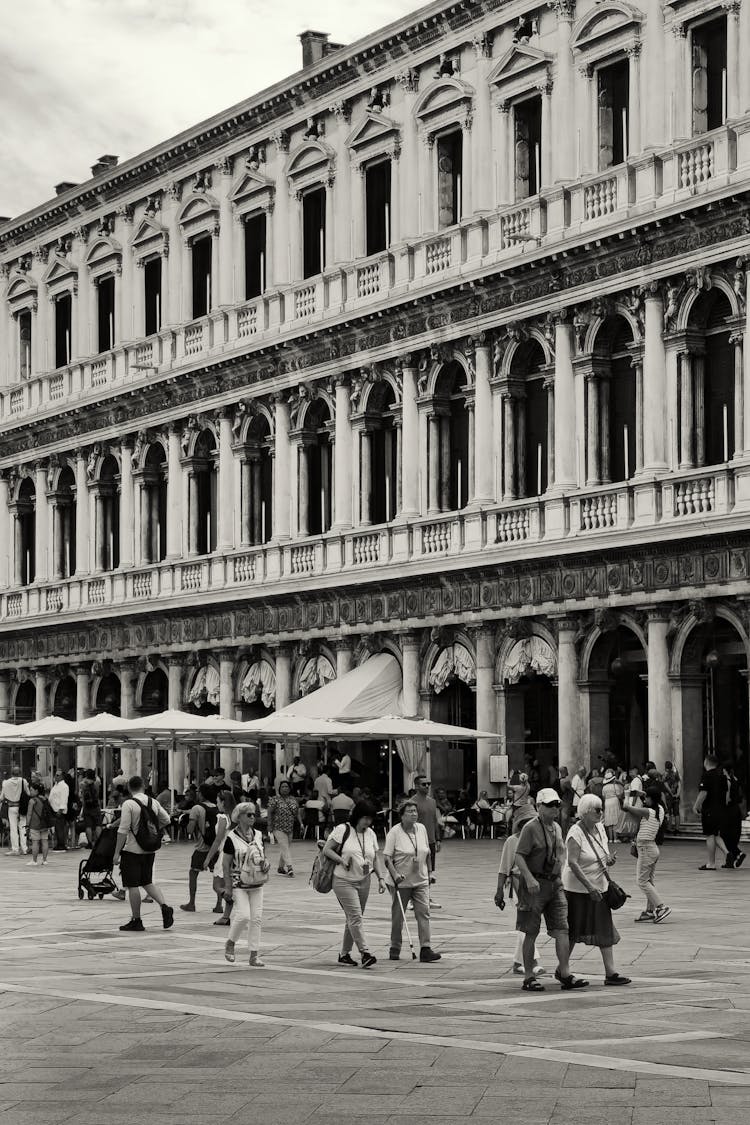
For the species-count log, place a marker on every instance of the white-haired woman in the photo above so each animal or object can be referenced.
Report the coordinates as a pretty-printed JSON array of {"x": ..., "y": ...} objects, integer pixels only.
[
  {"x": 585, "y": 884},
  {"x": 245, "y": 872}
]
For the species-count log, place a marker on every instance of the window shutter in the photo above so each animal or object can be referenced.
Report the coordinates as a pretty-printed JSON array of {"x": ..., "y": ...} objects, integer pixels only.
[{"x": 700, "y": 87}]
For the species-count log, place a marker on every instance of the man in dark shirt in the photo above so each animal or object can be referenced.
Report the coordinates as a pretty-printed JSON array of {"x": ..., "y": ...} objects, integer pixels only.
[
  {"x": 711, "y": 803},
  {"x": 428, "y": 816}
]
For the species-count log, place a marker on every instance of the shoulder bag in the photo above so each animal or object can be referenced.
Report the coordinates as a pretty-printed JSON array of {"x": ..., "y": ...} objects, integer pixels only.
[
  {"x": 251, "y": 870},
  {"x": 614, "y": 896},
  {"x": 323, "y": 867}
]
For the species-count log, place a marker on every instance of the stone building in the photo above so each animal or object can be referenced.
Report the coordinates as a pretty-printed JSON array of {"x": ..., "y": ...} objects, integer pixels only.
[{"x": 437, "y": 347}]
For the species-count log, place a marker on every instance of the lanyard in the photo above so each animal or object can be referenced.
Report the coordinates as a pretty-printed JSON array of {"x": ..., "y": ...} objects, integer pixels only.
[
  {"x": 412, "y": 843},
  {"x": 549, "y": 856},
  {"x": 361, "y": 843}
]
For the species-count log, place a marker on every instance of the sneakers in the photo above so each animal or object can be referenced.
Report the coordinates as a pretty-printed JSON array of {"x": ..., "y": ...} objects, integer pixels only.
[
  {"x": 346, "y": 959},
  {"x": 120, "y": 894},
  {"x": 218, "y": 910},
  {"x": 44, "y": 863},
  {"x": 661, "y": 913},
  {"x": 189, "y": 907},
  {"x": 368, "y": 960},
  {"x": 740, "y": 859},
  {"x": 646, "y": 916},
  {"x": 135, "y": 925},
  {"x": 222, "y": 922},
  {"x": 394, "y": 954},
  {"x": 31, "y": 863},
  {"x": 427, "y": 955},
  {"x": 538, "y": 970},
  {"x": 167, "y": 916}
]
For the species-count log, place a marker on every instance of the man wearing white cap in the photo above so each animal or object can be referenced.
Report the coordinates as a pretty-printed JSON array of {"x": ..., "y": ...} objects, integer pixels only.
[{"x": 539, "y": 858}]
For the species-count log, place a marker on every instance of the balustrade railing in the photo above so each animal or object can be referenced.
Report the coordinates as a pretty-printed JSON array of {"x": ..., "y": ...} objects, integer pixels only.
[
  {"x": 694, "y": 497},
  {"x": 513, "y": 526},
  {"x": 143, "y": 584},
  {"x": 99, "y": 372},
  {"x": 436, "y": 538},
  {"x": 191, "y": 576},
  {"x": 96, "y": 591},
  {"x": 303, "y": 559},
  {"x": 194, "y": 342},
  {"x": 365, "y": 549},
  {"x": 599, "y": 511},
  {"x": 243, "y": 568},
  {"x": 695, "y": 165},
  {"x": 600, "y": 198},
  {"x": 247, "y": 322},
  {"x": 438, "y": 255},
  {"x": 305, "y": 302}
]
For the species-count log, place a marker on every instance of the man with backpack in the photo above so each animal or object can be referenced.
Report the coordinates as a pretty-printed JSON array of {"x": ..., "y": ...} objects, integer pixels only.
[
  {"x": 15, "y": 793},
  {"x": 202, "y": 827},
  {"x": 138, "y": 839}
]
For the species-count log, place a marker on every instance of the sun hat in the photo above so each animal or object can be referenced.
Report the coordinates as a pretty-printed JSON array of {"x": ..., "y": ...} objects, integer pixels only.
[{"x": 548, "y": 797}]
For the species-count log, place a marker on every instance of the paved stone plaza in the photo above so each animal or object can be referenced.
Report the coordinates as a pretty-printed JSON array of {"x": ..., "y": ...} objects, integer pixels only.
[{"x": 101, "y": 1027}]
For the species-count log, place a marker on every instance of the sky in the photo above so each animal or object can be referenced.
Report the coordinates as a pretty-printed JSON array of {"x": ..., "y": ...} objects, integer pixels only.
[{"x": 85, "y": 77}]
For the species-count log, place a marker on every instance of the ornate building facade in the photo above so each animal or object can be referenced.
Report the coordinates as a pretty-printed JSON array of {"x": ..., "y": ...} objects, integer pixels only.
[{"x": 438, "y": 347}]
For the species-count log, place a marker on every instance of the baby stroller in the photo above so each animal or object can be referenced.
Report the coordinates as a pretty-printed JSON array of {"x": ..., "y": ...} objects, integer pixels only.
[{"x": 95, "y": 872}]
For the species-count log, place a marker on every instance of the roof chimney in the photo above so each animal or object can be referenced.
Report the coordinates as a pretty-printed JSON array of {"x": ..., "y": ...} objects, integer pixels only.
[
  {"x": 103, "y": 164},
  {"x": 315, "y": 46},
  {"x": 64, "y": 186}
]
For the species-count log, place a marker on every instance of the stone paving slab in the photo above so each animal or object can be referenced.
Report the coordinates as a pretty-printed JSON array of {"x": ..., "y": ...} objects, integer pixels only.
[{"x": 98, "y": 1026}]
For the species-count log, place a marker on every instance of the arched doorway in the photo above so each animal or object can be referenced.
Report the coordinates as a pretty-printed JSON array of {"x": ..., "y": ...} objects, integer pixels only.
[
  {"x": 450, "y": 455},
  {"x": 154, "y": 693},
  {"x": 154, "y": 505},
  {"x": 203, "y": 495},
  {"x": 526, "y": 420},
  {"x": 24, "y": 706},
  {"x": 25, "y": 546},
  {"x": 108, "y": 695},
  {"x": 528, "y": 676},
  {"x": 617, "y": 687},
  {"x": 451, "y": 681},
  {"x": 380, "y": 457},
  {"x": 64, "y": 508},
  {"x": 257, "y": 696},
  {"x": 257, "y": 482},
  {"x": 107, "y": 493}
]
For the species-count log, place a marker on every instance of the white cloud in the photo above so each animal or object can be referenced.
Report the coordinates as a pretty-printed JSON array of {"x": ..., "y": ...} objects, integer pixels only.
[{"x": 85, "y": 77}]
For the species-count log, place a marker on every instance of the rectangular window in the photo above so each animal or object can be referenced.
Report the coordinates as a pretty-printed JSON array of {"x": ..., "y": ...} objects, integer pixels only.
[
  {"x": 527, "y": 124},
  {"x": 378, "y": 206},
  {"x": 24, "y": 344},
  {"x": 709, "y": 60},
  {"x": 63, "y": 329},
  {"x": 106, "y": 313},
  {"x": 313, "y": 232},
  {"x": 255, "y": 256},
  {"x": 201, "y": 258},
  {"x": 450, "y": 152},
  {"x": 613, "y": 88},
  {"x": 152, "y": 295}
]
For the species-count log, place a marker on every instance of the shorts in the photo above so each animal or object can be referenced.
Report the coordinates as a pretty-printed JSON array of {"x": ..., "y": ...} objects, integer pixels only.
[
  {"x": 198, "y": 858},
  {"x": 711, "y": 821},
  {"x": 136, "y": 870},
  {"x": 548, "y": 902},
  {"x": 38, "y": 834},
  {"x": 91, "y": 819}
]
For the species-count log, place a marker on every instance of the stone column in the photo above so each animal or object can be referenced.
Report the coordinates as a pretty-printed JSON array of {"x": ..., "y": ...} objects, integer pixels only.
[
  {"x": 246, "y": 502},
  {"x": 283, "y": 690},
  {"x": 365, "y": 477},
  {"x": 484, "y": 453},
  {"x": 481, "y": 134},
  {"x": 593, "y": 474},
  {"x": 659, "y": 693},
  {"x": 510, "y": 490},
  {"x": 655, "y": 416},
  {"x": 303, "y": 489},
  {"x": 699, "y": 407},
  {"x": 128, "y": 672},
  {"x": 41, "y": 685},
  {"x": 410, "y": 649},
  {"x": 486, "y": 702},
  {"x": 685, "y": 369},
  {"x": 6, "y": 540},
  {"x": 342, "y": 457},
  {"x": 548, "y": 143},
  {"x": 639, "y": 414},
  {"x": 58, "y": 540},
  {"x": 549, "y": 383},
  {"x": 410, "y": 441},
  {"x": 83, "y": 690},
  {"x": 174, "y": 681},
  {"x": 226, "y": 236},
  {"x": 563, "y": 119},
  {"x": 226, "y": 484},
  {"x": 82, "y": 514},
  {"x": 18, "y": 559},
  {"x": 570, "y": 752},
  {"x": 655, "y": 77},
  {"x": 226, "y": 689},
  {"x": 604, "y": 429},
  {"x": 175, "y": 513},
  {"x": 281, "y": 476},
  {"x": 192, "y": 513},
  {"x": 733, "y": 60},
  {"x": 408, "y": 164},
  {"x": 344, "y": 657},
  {"x": 127, "y": 507},
  {"x": 737, "y": 339},
  {"x": 565, "y": 408},
  {"x": 41, "y": 524},
  {"x": 258, "y": 524},
  {"x": 4, "y": 697}
]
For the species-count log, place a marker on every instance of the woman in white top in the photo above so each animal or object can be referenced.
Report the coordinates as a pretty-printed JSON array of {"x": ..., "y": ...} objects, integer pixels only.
[
  {"x": 245, "y": 871},
  {"x": 226, "y": 802},
  {"x": 650, "y": 819},
  {"x": 353, "y": 848},
  {"x": 585, "y": 883},
  {"x": 407, "y": 855}
]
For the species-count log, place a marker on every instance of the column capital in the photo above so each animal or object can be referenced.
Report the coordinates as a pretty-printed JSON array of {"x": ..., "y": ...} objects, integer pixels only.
[
  {"x": 128, "y": 668},
  {"x": 81, "y": 669},
  {"x": 225, "y": 655},
  {"x": 411, "y": 639},
  {"x": 659, "y": 614},
  {"x": 567, "y": 623}
]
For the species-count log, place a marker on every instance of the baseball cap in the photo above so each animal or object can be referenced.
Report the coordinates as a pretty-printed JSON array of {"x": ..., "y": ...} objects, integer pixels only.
[{"x": 548, "y": 797}]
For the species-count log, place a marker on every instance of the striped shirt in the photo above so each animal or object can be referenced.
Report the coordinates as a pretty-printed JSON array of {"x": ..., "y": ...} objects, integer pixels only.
[{"x": 649, "y": 826}]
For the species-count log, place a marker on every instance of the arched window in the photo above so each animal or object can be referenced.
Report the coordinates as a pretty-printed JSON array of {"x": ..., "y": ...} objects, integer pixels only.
[
  {"x": 525, "y": 422},
  {"x": 203, "y": 495},
  {"x": 64, "y": 524},
  {"x": 257, "y": 483},
  {"x": 25, "y": 703},
  {"x": 622, "y": 401},
  {"x": 316, "y": 471},
  {"x": 154, "y": 506},
  {"x": 107, "y": 495},
  {"x": 108, "y": 695},
  {"x": 707, "y": 384},
  {"x": 449, "y": 442},
  {"x": 65, "y": 698},
  {"x": 380, "y": 458},
  {"x": 25, "y": 533}
]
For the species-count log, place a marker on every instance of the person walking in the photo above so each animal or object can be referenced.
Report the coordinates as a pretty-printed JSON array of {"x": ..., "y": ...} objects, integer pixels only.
[
  {"x": 137, "y": 864},
  {"x": 731, "y": 820},
  {"x": 39, "y": 822},
  {"x": 58, "y": 803},
  {"x": 651, "y": 818},
  {"x": 202, "y": 827},
  {"x": 710, "y": 805},
  {"x": 15, "y": 793},
  {"x": 406, "y": 854},
  {"x": 613, "y": 795},
  {"x": 428, "y": 816},
  {"x": 539, "y": 856},
  {"x": 245, "y": 869},
  {"x": 353, "y": 848},
  {"x": 226, "y": 806},
  {"x": 509, "y": 876},
  {"x": 588, "y": 856},
  {"x": 283, "y": 813},
  {"x": 91, "y": 807},
  {"x": 672, "y": 783}
]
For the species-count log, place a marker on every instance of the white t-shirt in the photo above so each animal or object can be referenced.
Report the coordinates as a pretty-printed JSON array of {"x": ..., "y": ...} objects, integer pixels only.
[
  {"x": 592, "y": 860},
  {"x": 359, "y": 852},
  {"x": 409, "y": 854},
  {"x": 345, "y": 764}
]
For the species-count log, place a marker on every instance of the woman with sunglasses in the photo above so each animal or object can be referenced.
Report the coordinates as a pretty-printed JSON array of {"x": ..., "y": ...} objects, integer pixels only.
[
  {"x": 585, "y": 883},
  {"x": 245, "y": 873}
]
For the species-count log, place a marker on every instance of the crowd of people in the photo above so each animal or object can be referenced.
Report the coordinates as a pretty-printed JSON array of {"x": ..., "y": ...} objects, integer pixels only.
[{"x": 556, "y": 860}]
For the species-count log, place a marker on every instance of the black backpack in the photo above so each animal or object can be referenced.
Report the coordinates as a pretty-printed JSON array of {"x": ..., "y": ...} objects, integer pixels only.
[
  {"x": 209, "y": 831},
  {"x": 148, "y": 833}
]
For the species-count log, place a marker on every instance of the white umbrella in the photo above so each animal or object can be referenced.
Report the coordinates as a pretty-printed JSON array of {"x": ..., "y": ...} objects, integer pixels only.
[
  {"x": 398, "y": 726},
  {"x": 37, "y": 731}
]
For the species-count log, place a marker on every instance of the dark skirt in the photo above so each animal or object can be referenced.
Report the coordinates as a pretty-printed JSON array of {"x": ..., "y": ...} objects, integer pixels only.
[{"x": 589, "y": 922}]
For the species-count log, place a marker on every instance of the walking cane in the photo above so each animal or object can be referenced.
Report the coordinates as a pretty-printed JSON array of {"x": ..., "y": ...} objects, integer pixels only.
[{"x": 406, "y": 924}]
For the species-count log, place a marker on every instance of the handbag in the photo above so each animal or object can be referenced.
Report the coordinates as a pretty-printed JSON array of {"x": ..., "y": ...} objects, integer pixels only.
[
  {"x": 321, "y": 876},
  {"x": 614, "y": 896}
]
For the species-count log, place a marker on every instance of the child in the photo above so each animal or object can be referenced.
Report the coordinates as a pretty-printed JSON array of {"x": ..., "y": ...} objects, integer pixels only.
[
  {"x": 508, "y": 873},
  {"x": 38, "y": 822}
]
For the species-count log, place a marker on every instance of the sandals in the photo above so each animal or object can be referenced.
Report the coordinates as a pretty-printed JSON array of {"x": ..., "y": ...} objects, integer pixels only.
[
  {"x": 570, "y": 982},
  {"x": 229, "y": 952},
  {"x": 531, "y": 984},
  {"x": 616, "y": 979}
]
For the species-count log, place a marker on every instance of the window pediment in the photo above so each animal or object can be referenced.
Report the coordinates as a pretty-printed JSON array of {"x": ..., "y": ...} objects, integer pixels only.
[
  {"x": 104, "y": 256},
  {"x": 252, "y": 192},
  {"x": 200, "y": 210},
  {"x": 22, "y": 291},
  {"x": 151, "y": 237},
  {"x": 311, "y": 163},
  {"x": 522, "y": 68},
  {"x": 60, "y": 274},
  {"x": 446, "y": 101},
  {"x": 607, "y": 28},
  {"x": 375, "y": 135}
]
